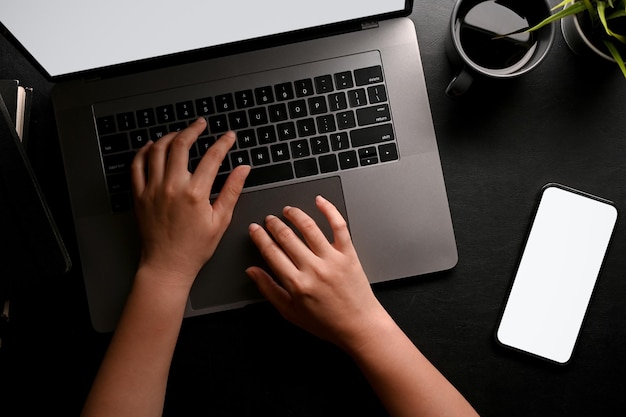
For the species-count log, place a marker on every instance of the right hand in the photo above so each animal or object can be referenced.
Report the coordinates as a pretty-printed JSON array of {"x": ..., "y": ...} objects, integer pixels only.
[{"x": 321, "y": 285}]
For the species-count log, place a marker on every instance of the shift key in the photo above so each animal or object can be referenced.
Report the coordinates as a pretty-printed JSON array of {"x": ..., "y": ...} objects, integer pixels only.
[{"x": 371, "y": 135}]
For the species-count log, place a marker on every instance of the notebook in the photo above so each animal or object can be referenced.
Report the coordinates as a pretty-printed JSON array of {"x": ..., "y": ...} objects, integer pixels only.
[{"x": 326, "y": 98}]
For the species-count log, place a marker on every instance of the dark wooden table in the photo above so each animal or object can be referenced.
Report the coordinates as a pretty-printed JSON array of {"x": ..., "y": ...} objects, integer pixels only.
[{"x": 563, "y": 122}]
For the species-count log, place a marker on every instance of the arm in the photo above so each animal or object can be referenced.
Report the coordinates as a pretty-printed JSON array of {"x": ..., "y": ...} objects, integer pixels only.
[
  {"x": 324, "y": 290},
  {"x": 180, "y": 230}
]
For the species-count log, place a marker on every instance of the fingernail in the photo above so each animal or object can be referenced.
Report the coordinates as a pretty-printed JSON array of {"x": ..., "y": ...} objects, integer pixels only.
[
  {"x": 253, "y": 227},
  {"x": 201, "y": 120}
]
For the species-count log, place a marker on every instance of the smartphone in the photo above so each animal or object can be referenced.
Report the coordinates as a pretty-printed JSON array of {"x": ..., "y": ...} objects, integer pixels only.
[{"x": 557, "y": 273}]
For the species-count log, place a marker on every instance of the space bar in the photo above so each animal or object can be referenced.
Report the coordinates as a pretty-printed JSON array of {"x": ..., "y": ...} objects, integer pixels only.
[{"x": 269, "y": 174}]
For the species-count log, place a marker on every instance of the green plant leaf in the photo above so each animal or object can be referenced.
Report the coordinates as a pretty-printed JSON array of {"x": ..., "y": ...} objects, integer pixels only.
[
  {"x": 616, "y": 55},
  {"x": 575, "y": 8},
  {"x": 602, "y": 15}
]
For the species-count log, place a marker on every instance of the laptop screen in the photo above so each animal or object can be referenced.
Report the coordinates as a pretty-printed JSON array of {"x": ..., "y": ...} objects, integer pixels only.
[{"x": 73, "y": 36}]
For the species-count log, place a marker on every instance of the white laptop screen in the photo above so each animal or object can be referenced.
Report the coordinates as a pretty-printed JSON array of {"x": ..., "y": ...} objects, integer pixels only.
[{"x": 70, "y": 36}]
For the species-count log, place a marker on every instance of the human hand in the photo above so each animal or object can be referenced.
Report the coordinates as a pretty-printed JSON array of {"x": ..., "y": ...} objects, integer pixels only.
[
  {"x": 179, "y": 226},
  {"x": 322, "y": 286}
]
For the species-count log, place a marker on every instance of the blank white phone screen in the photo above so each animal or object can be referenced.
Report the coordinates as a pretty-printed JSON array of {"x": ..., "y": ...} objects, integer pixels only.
[{"x": 557, "y": 273}]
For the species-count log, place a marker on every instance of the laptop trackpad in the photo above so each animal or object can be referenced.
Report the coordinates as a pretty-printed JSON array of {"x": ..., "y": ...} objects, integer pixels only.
[{"x": 222, "y": 281}]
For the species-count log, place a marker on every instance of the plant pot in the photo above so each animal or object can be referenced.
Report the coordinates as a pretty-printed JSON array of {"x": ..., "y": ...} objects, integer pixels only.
[{"x": 578, "y": 41}]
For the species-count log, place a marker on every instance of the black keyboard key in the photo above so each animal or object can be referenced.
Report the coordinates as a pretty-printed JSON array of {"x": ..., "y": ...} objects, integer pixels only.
[
  {"x": 319, "y": 145},
  {"x": 371, "y": 75},
  {"x": 244, "y": 99},
  {"x": 118, "y": 163},
  {"x": 177, "y": 127},
  {"x": 368, "y": 156},
  {"x": 264, "y": 95},
  {"x": 121, "y": 202},
  {"x": 373, "y": 115},
  {"x": 114, "y": 143},
  {"x": 286, "y": 131},
  {"x": 388, "y": 152},
  {"x": 377, "y": 94},
  {"x": 258, "y": 116},
  {"x": 238, "y": 120},
  {"x": 278, "y": 112},
  {"x": 118, "y": 182},
  {"x": 165, "y": 114},
  {"x": 371, "y": 135},
  {"x": 266, "y": 134},
  {"x": 337, "y": 101},
  {"x": 218, "y": 183},
  {"x": 317, "y": 105},
  {"x": 344, "y": 80},
  {"x": 224, "y": 102},
  {"x": 304, "y": 87},
  {"x": 297, "y": 109},
  {"x": 260, "y": 156},
  {"x": 205, "y": 106},
  {"x": 185, "y": 110},
  {"x": 138, "y": 138},
  {"x": 269, "y": 174},
  {"x": 300, "y": 148},
  {"x": 348, "y": 159},
  {"x": 205, "y": 143},
  {"x": 146, "y": 118},
  {"x": 339, "y": 141},
  {"x": 324, "y": 84},
  {"x": 246, "y": 138},
  {"x": 326, "y": 123},
  {"x": 126, "y": 121},
  {"x": 218, "y": 124},
  {"x": 306, "y": 127},
  {"x": 280, "y": 152},
  {"x": 158, "y": 132},
  {"x": 284, "y": 91},
  {"x": 328, "y": 163},
  {"x": 106, "y": 125},
  {"x": 239, "y": 158},
  {"x": 357, "y": 98},
  {"x": 346, "y": 120},
  {"x": 305, "y": 167}
]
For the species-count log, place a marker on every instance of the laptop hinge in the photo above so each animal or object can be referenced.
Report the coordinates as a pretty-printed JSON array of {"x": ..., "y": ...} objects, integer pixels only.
[{"x": 369, "y": 25}]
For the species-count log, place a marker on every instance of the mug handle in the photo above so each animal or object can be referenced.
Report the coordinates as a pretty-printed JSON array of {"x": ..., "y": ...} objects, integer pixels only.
[{"x": 459, "y": 84}]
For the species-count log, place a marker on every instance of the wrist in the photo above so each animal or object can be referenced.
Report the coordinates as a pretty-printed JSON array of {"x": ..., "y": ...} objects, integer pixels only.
[
  {"x": 374, "y": 331},
  {"x": 163, "y": 283}
]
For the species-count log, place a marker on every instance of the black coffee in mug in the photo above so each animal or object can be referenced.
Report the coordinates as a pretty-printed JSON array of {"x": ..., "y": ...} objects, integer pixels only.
[
  {"x": 487, "y": 34},
  {"x": 489, "y": 38}
]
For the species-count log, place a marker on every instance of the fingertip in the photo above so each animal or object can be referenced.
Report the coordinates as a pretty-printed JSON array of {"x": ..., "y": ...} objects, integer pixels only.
[
  {"x": 230, "y": 135},
  {"x": 253, "y": 227}
]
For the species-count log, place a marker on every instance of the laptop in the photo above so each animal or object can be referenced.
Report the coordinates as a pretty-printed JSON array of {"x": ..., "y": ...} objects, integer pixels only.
[{"x": 326, "y": 98}]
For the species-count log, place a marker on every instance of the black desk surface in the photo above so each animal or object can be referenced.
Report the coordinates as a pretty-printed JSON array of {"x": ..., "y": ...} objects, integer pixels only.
[{"x": 564, "y": 122}]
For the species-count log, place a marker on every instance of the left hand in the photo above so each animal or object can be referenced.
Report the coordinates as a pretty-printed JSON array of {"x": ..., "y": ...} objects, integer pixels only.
[{"x": 179, "y": 226}]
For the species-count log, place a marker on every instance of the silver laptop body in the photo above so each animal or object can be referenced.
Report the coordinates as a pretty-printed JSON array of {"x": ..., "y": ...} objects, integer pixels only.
[{"x": 397, "y": 207}]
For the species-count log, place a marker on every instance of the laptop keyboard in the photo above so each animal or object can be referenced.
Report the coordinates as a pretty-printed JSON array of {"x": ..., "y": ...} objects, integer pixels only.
[{"x": 294, "y": 129}]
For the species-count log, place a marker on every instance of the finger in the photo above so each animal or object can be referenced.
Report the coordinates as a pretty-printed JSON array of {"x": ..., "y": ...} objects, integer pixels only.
[
  {"x": 210, "y": 163},
  {"x": 157, "y": 158},
  {"x": 289, "y": 242},
  {"x": 275, "y": 257},
  {"x": 273, "y": 292},
  {"x": 339, "y": 226},
  {"x": 315, "y": 239},
  {"x": 138, "y": 170},
  {"x": 178, "y": 155},
  {"x": 229, "y": 195}
]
